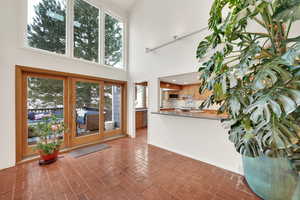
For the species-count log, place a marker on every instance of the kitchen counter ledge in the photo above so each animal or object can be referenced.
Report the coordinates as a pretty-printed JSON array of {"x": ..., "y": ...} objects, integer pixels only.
[{"x": 200, "y": 115}]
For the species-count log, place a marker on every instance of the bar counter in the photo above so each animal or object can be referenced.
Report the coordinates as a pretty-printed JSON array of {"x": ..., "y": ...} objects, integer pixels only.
[{"x": 206, "y": 114}]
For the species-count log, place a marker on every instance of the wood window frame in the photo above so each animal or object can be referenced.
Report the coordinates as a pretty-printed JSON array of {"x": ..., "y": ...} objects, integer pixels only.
[{"x": 21, "y": 118}]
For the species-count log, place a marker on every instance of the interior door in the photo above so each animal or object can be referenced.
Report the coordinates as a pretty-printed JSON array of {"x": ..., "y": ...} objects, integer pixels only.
[
  {"x": 87, "y": 111},
  {"x": 44, "y": 96}
]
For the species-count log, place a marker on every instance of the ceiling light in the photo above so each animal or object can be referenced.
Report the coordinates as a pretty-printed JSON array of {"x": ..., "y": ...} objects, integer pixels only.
[{"x": 174, "y": 80}]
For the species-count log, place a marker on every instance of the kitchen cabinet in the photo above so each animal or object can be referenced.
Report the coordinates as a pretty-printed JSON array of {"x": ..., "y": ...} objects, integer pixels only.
[
  {"x": 193, "y": 92},
  {"x": 141, "y": 119},
  {"x": 170, "y": 86},
  {"x": 166, "y": 94}
]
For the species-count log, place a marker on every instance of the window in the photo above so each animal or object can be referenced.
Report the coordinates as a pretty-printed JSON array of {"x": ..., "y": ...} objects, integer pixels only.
[
  {"x": 141, "y": 96},
  {"x": 46, "y": 27},
  {"x": 86, "y": 31},
  {"x": 112, "y": 107},
  {"x": 113, "y": 42},
  {"x": 89, "y": 33},
  {"x": 87, "y": 108}
]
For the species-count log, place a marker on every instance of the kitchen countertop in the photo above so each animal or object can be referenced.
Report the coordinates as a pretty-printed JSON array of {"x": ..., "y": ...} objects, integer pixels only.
[
  {"x": 141, "y": 109},
  {"x": 211, "y": 114}
]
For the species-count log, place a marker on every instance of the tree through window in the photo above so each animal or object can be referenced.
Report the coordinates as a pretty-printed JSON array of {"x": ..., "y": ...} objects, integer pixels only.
[
  {"x": 113, "y": 42},
  {"x": 46, "y": 28},
  {"x": 86, "y": 31}
]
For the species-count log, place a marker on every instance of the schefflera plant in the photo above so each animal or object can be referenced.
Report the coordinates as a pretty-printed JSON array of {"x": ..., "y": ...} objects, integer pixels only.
[{"x": 255, "y": 75}]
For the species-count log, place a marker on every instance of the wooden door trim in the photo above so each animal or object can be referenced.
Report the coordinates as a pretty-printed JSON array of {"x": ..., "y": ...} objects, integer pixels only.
[
  {"x": 19, "y": 114},
  {"x": 66, "y": 74},
  {"x": 20, "y": 100},
  {"x": 27, "y": 150}
]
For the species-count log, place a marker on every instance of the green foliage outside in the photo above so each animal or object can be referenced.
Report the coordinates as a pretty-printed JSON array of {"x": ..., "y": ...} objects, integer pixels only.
[
  {"x": 87, "y": 95},
  {"x": 86, "y": 31},
  {"x": 113, "y": 41},
  {"x": 49, "y": 93},
  {"x": 255, "y": 75},
  {"x": 48, "y": 29},
  {"x": 45, "y": 93}
]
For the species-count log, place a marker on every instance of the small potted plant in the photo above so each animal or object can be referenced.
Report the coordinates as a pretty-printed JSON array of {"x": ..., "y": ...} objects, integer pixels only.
[{"x": 50, "y": 133}]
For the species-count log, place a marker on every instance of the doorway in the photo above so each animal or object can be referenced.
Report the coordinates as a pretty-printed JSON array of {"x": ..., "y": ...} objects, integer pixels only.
[
  {"x": 141, "y": 108},
  {"x": 93, "y": 109}
]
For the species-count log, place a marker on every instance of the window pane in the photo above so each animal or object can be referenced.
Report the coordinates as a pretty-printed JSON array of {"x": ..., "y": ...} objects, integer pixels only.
[
  {"x": 87, "y": 108},
  {"x": 46, "y": 26},
  {"x": 112, "y": 107},
  {"x": 141, "y": 96},
  {"x": 45, "y": 98},
  {"x": 113, "y": 42},
  {"x": 86, "y": 31}
]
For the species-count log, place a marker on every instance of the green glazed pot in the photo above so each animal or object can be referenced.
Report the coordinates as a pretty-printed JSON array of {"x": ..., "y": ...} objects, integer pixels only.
[{"x": 272, "y": 178}]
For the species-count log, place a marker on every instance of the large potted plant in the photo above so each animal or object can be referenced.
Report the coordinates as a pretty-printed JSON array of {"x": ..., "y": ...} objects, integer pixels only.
[
  {"x": 254, "y": 75},
  {"x": 50, "y": 132}
]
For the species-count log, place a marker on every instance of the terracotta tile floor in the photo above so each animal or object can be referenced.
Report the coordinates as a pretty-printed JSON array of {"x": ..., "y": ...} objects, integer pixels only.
[{"x": 130, "y": 170}]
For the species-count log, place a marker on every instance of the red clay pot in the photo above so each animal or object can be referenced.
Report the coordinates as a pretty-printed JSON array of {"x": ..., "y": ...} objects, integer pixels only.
[{"x": 49, "y": 157}]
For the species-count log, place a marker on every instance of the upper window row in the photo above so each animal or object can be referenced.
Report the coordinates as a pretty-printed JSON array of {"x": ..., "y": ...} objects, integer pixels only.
[{"x": 47, "y": 30}]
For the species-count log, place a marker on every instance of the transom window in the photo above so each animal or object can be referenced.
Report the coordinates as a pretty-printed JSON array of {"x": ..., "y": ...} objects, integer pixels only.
[
  {"x": 46, "y": 27},
  {"x": 86, "y": 31},
  {"x": 48, "y": 30},
  {"x": 113, "y": 41}
]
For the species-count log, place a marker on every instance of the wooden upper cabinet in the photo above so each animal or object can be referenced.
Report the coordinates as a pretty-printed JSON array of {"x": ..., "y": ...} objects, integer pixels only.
[
  {"x": 193, "y": 91},
  {"x": 141, "y": 119},
  {"x": 185, "y": 90},
  {"x": 170, "y": 86}
]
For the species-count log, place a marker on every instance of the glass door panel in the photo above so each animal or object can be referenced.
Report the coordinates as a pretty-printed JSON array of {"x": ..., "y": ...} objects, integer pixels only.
[
  {"x": 44, "y": 99},
  {"x": 112, "y": 107},
  {"x": 87, "y": 108},
  {"x": 87, "y": 115}
]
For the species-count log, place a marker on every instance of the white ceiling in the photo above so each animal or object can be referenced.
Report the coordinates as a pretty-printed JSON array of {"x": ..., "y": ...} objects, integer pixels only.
[
  {"x": 123, "y": 4},
  {"x": 182, "y": 79}
]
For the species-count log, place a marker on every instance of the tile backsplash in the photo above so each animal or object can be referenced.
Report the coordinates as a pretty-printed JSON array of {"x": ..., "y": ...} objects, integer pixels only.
[{"x": 175, "y": 103}]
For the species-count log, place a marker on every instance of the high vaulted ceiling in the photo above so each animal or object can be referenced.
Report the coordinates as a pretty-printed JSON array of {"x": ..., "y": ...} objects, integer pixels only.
[{"x": 123, "y": 4}]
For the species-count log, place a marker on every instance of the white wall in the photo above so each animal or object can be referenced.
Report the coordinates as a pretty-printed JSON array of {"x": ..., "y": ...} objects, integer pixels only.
[
  {"x": 153, "y": 23},
  {"x": 12, "y": 15},
  {"x": 201, "y": 139}
]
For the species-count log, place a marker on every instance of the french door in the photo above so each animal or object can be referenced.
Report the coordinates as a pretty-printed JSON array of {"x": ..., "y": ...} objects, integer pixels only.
[
  {"x": 92, "y": 109},
  {"x": 44, "y": 96},
  {"x": 87, "y": 111}
]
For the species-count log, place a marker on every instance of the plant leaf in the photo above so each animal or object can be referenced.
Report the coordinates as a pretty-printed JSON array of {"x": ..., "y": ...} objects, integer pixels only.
[
  {"x": 288, "y": 104},
  {"x": 288, "y": 9},
  {"x": 276, "y": 108},
  {"x": 295, "y": 94},
  {"x": 235, "y": 106}
]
